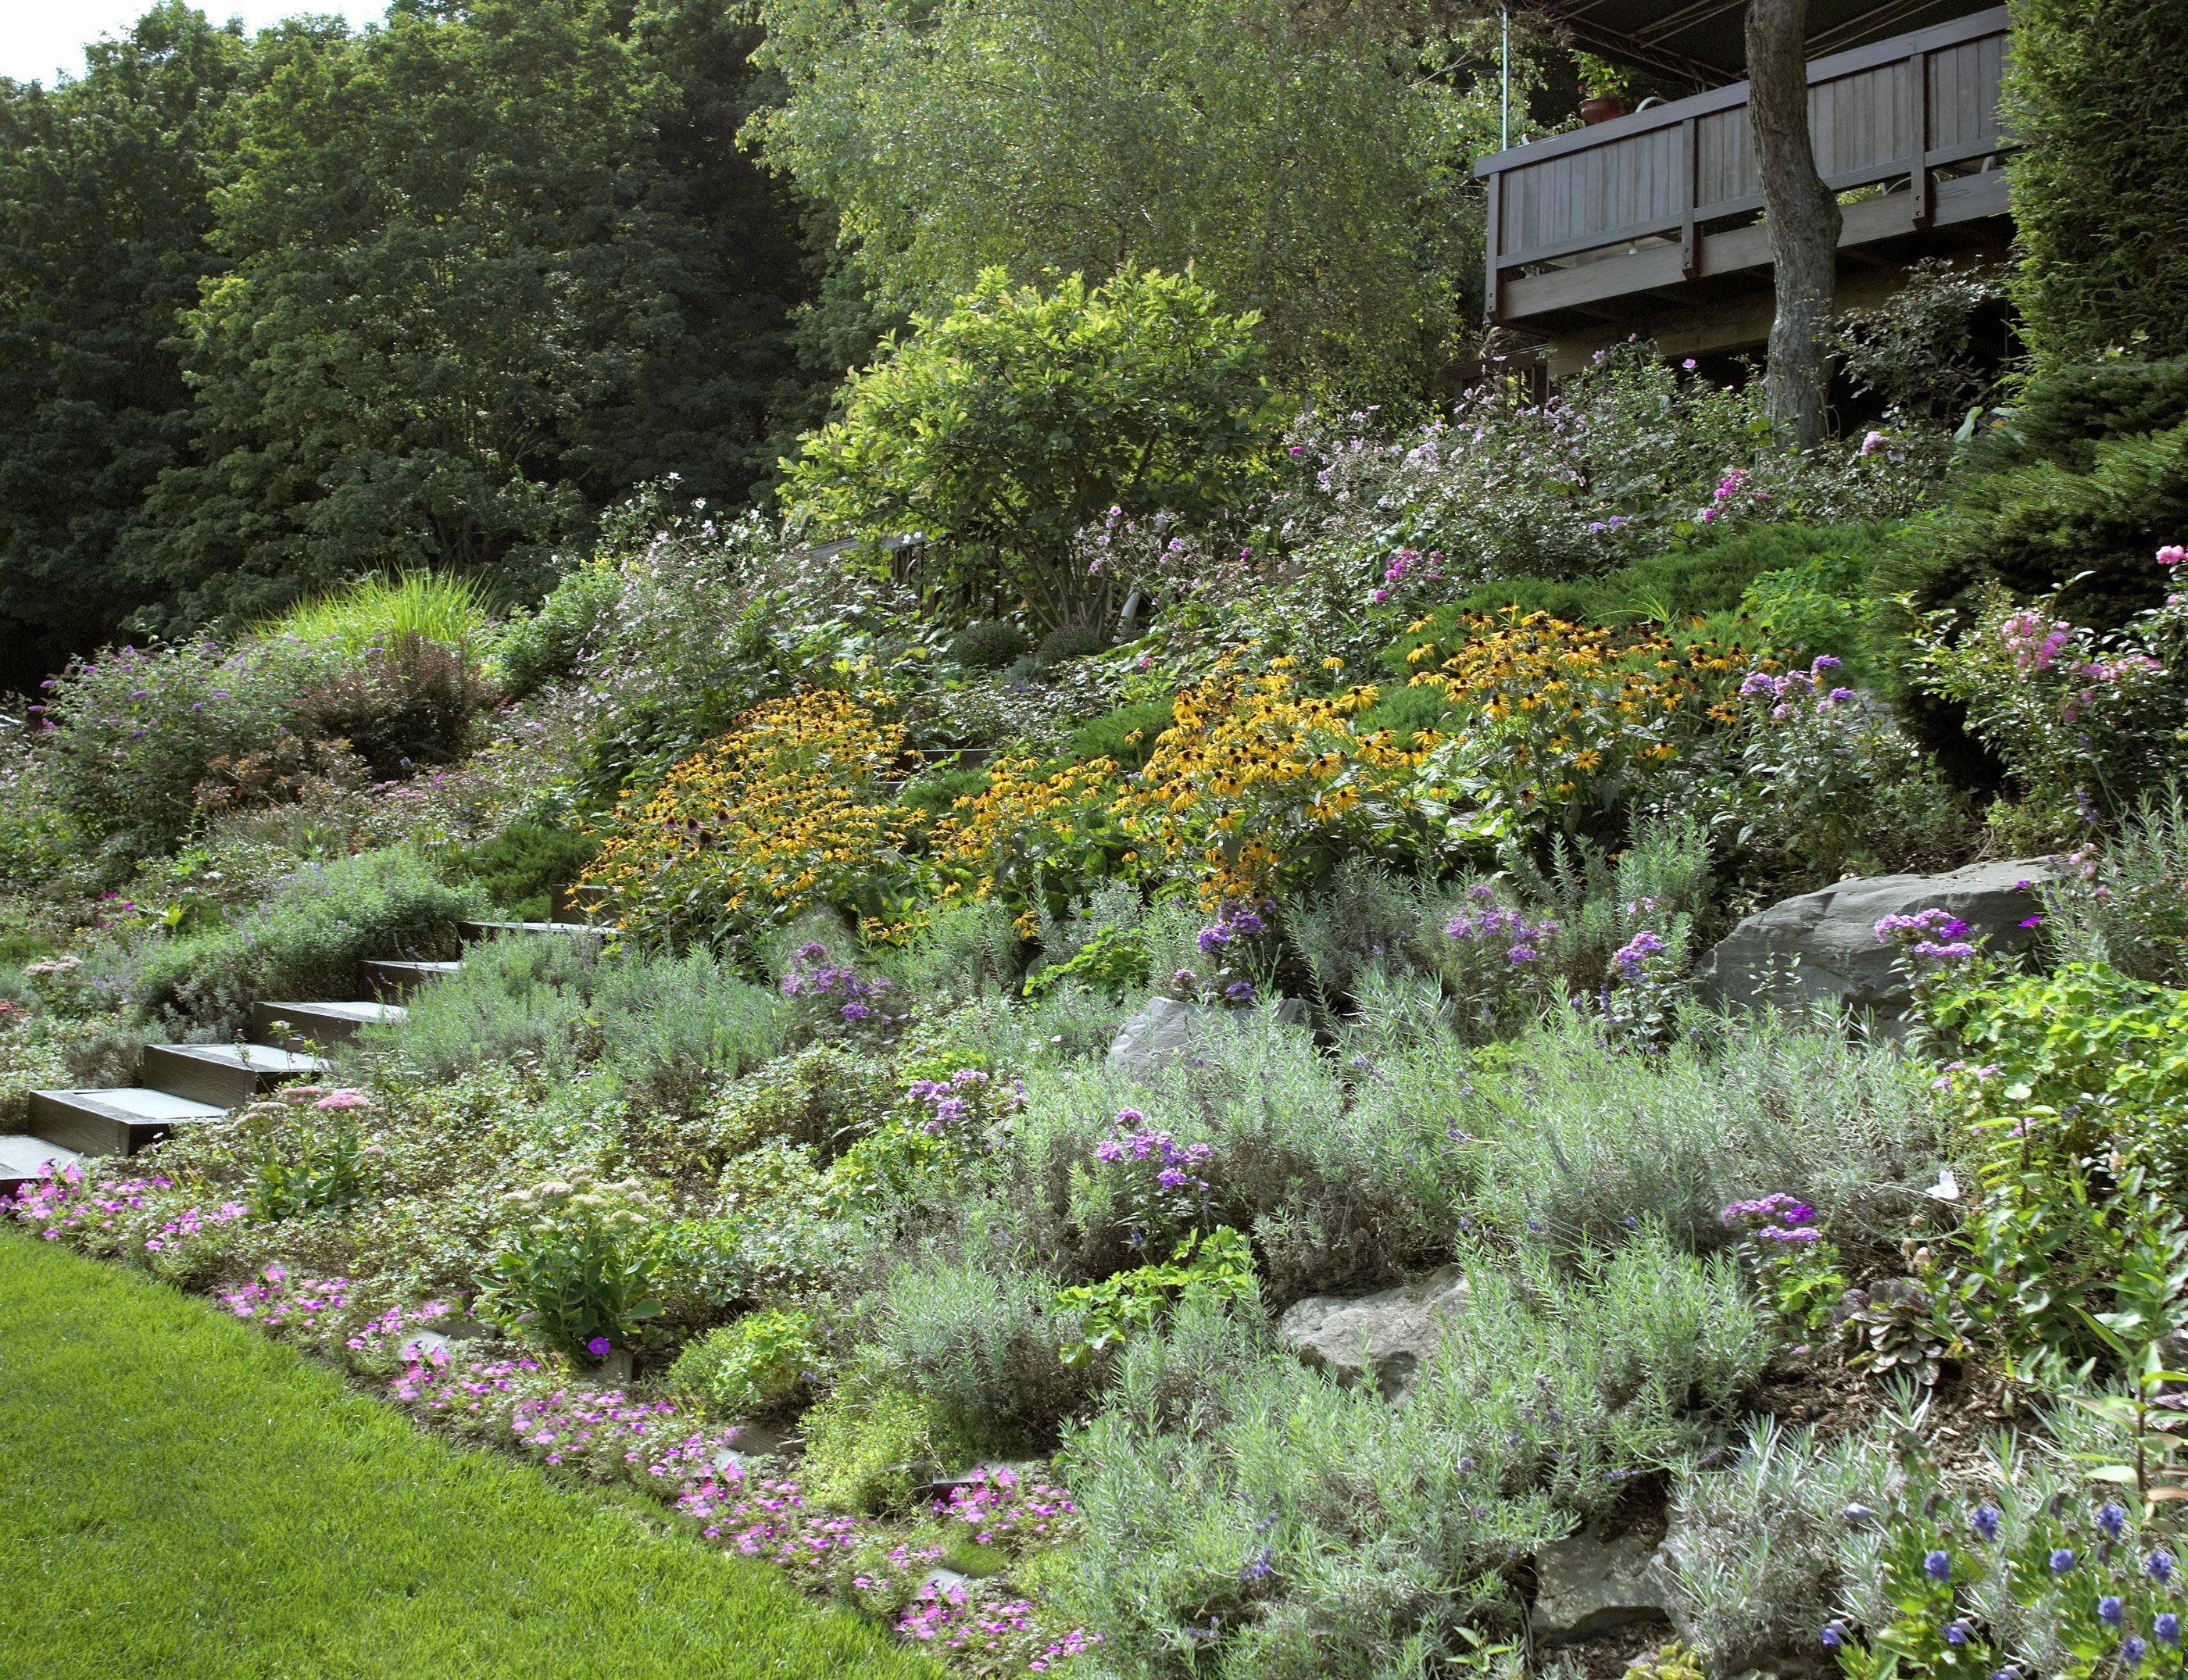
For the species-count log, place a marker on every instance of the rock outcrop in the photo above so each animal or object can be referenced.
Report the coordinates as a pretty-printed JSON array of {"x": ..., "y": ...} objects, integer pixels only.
[{"x": 1822, "y": 946}]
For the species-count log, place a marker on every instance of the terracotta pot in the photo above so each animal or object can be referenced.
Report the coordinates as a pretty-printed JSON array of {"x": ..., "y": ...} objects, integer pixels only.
[{"x": 1601, "y": 108}]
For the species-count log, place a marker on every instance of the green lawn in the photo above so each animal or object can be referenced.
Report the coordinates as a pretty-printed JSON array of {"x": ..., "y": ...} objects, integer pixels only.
[{"x": 180, "y": 1496}]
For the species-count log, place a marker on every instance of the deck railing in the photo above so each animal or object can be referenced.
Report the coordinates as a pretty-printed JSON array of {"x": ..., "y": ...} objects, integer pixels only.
[{"x": 1916, "y": 115}]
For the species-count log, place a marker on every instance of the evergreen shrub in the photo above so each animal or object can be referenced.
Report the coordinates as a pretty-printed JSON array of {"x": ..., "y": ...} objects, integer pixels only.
[{"x": 2100, "y": 186}]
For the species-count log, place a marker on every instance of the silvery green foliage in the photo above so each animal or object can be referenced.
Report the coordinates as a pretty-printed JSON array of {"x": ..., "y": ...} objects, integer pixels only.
[
  {"x": 969, "y": 1326},
  {"x": 1363, "y": 918},
  {"x": 1243, "y": 1508},
  {"x": 1763, "y": 1553},
  {"x": 1579, "y": 1142}
]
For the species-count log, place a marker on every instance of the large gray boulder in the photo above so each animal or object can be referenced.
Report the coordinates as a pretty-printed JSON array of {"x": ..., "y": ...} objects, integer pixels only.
[
  {"x": 1822, "y": 946},
  {"x": 1585, "y": 1585},
  {"x": 1165, "y": 1031},
  {"x": 1384, "y": 1337}
]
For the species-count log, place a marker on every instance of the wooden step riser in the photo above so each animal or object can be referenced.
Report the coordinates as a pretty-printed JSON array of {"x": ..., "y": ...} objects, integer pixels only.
[
  {"x": 206, "y": 1082},
  {"x": 392, "y": 983},
  {"x": 86, "y": 1133},
  {"x": 307, "y": 1027}
]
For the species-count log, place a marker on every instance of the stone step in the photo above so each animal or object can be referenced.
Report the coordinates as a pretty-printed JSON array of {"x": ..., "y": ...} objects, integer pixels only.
[
  {"x": 25, "y": 1160},
  {"x": 223, "y": 1075},
  {"x": 473, "y": 932},
  {"x": 320, "y": 1024},
  {"x": 118, "y": 1122},
  {"x": 389, "y": 978}
]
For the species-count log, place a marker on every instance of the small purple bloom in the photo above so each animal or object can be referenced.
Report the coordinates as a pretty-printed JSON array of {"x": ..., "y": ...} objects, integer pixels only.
[
  {"x": 1938, "y": 1565},
  {"x": 600, "y": 1347}
]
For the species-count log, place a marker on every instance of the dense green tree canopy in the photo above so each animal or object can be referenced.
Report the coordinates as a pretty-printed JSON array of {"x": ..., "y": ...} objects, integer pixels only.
[
  {"x": 1308, "y": 164},
  {"x": 103, "y": 219}
]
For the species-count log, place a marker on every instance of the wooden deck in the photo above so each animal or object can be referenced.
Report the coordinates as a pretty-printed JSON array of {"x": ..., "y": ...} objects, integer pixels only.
[{"x": 1661, "y": 209}]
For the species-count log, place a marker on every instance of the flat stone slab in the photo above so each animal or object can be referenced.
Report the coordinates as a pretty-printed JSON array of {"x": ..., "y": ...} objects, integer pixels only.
[
  {"x": 1384, "y": 1337},
  {"x": 1585, "y": 1585},
  {"x": 120, "y": 1121},
  {"x": 321, "y": 1024}
]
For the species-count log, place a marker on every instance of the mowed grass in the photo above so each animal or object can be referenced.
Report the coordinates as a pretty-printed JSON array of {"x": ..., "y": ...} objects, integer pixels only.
[{"x": 180, "y": 1496}]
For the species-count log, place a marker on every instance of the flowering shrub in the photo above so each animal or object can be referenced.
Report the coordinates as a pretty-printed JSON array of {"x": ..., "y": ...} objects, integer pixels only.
[
  {"x": 148, "y": 1219},
  {"x": 325, "y": 1162},
  {"x": 1498, "y": 964},
  {"x": 2101, "y": 1591},
  {"x": 1828, "y": 778},
  {"x": 1238, "y": 957},
  {"x": 836, "y": 1001},
  {"x": 1000, "y": 1507},
  {"x": 1256, "y": 784},
  {"x": 576, "y": 1265},
  {"x": 2085, "y": 722},
  {"x": 780, "y": 814},
  {"x": 1623, "y": 456},
  {"x": 136, "y": 730}
]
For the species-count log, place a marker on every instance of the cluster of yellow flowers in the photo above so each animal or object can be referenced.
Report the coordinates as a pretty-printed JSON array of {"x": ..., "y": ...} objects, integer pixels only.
[
  {"x": 1256, "y": 784},
  {"x": 782, "y": 813},
  {"x": 1561, "y": 712}
]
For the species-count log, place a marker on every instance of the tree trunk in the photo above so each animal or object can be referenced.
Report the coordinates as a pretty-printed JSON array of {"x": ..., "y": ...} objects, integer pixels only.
[{"x": 1803, "y": 213}]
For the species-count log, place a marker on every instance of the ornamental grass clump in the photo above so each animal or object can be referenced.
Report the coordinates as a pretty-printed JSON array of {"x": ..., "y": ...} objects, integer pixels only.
[{"x": 783, "y": 813}]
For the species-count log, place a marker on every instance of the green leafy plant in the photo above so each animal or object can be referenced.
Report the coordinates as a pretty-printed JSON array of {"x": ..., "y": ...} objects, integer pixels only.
[
  {"x": 378, "y": 612},
  {"x": 575, "y": 1264},
  {"x": 989, "y": 645},
  {"x": 1215, "y": 1268},
  {"x": 757, "y": 1362},
  {"x": 1114, "y": 961}
]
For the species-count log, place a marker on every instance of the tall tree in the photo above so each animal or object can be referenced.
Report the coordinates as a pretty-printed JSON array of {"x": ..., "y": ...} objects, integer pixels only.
[
  {"x": 1306, "y": 162},
  {"x": 103, "y": 219},
  {"x": 718, "y": 377},
  {"x": 435, "y": 268},
  {"x": 1803, "y": 214}
]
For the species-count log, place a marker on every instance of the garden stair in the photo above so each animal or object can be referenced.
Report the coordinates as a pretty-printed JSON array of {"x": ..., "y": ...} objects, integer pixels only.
[{"x": 184, "y": 1084}]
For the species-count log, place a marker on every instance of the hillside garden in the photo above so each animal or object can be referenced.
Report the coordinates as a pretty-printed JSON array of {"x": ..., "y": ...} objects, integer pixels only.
[{"x": 1147, "y": 1029}]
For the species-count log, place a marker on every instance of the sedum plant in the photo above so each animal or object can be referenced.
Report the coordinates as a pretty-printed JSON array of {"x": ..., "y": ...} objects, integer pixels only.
[{"x": 576, "y": 1265}]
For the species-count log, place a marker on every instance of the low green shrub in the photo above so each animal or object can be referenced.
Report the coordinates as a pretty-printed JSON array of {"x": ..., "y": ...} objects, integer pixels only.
[
  {"x": 989, "y": 645},
  {"x": 1677, "y": 583},
  {"x": 1068, "y": 642},
  {"x": 520, "y": 868},
  {"x": 307, "y": 941},
  {"x": 1302, "y": 1529},
  {"x": 752, "y": 1365},
  {"x": 515, "y": 1000},
  {"x": 2127, "y": 904},
  {"x": 980, "y": 1338},
  {"x": 869, "y": 1449},
  {"x": 551, "y": 645},
  {"x": 1126, "y": 735}
]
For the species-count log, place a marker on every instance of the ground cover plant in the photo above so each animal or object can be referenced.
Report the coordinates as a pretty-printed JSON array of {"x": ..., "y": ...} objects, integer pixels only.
[{"x": 1132, "y": 885}]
